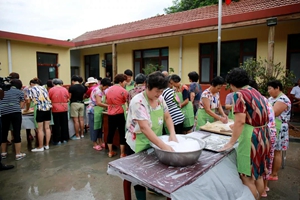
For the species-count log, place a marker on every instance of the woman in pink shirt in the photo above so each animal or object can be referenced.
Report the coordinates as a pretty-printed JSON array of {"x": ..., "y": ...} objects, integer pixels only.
[
  {"x": 116, "y": 97},
  {"x": 59, "y": 97}
]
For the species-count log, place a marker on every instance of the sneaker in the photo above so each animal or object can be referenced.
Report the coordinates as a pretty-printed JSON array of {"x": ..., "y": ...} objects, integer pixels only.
[
  {"x": 37, "y": 150},
  {"x": 56, "y": 143},
  {"x": 3, "y": 155},
  {"x": 46, "y": 147},
  {"x": 82, "y": 136},
  {"x": 65, "y": 142},
  {"x": 20, "y": 156},
  {"x": 75, "y": 138}
]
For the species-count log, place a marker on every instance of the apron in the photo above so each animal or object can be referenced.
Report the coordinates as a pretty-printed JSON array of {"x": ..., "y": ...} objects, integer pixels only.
[
  {"x": 98, "y": 114},
  {"x": 203, "y": 118},
  {"x": 231, "y": 114},
  {"x": 278, "y": 121},
  {"x": 129, "y": 87},
  {"x": 157, "y": 117},
  {"x": 244, "y": 150},
  {"x": 188, "y": 112}
]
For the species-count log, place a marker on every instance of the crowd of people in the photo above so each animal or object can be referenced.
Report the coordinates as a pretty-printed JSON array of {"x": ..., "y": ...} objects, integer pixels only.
[{"x": 151, "y": 106}]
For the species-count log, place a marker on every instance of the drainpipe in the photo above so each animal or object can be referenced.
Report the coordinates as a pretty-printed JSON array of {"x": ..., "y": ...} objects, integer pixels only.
[
  {"x": 180, "y": 56},
  {"x": 9, "y": 57}
]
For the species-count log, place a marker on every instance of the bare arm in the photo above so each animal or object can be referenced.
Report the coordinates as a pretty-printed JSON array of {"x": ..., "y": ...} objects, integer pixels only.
[
  {"x": 184, "y": 103},
  {"x": 192, "y": 96},
  {"x": 99, "y": 102},
  {"x": 279, "y": 107},
  {"x": 228, "y": 107},
  {"x": 170, "y": 126},
  {"x": 237, "y": 129},
  {"x": 145, "y": 129}
]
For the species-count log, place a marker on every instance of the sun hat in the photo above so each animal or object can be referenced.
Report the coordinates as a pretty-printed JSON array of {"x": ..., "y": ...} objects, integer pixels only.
[{"x": 91, "y": 80}]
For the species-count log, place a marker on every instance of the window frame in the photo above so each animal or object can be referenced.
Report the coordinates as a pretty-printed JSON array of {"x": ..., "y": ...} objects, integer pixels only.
[
  {"x": 290, "y": 51},
  {"x": 85, "y": 63},
  {"x": 47, "y": 64},
  {"x": 214, "y": 49},
  {"x": 141, "y": 59}
]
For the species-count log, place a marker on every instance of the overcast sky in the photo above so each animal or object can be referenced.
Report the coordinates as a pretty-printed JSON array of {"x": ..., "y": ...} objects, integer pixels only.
[{"x": 67, "y": 19}]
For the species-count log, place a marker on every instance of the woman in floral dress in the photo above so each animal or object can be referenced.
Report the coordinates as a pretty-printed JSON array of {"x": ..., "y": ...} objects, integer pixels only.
[
  {"x": 251, "y": 129},
  {"x": 282, "y": 108}
]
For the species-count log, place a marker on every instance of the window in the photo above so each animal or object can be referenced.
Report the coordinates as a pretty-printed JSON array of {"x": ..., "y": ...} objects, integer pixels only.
[
  {"x": 232, "y": 54},
  {"x": 293, "y": 54},
  {"x": 75, "y": 70},
  {"x": 91, "y": 63},
  {"x": 46, "y": 66},
  {"x": 142, "y": 58},
  {"x": 108, "y": 69}
]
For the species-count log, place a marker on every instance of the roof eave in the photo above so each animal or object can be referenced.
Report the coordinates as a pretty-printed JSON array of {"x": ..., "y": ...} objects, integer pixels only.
[
  {"x": 35, "y": 39},
  {"x": 272, "y": 12}
]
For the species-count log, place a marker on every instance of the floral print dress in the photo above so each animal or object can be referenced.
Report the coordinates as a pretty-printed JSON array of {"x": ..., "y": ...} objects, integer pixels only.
[{"x": 282, "y": 139}]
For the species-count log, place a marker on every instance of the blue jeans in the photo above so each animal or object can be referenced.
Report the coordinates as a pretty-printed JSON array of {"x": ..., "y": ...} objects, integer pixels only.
[{"x": 94, "y": 134}]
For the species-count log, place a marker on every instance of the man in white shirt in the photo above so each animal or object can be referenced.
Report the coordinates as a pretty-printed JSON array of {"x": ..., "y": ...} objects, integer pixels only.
[{"x": 296, "y": 93}]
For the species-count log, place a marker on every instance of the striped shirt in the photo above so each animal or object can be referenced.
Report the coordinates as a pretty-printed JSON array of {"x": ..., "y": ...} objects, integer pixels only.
[
  {"x": 11, "y": 101},
  {"x": 175, "y": 112}
]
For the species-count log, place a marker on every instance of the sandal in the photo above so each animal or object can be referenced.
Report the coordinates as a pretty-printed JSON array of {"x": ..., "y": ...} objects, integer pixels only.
[
  {"x": 3, "y": 155},
  {"x": 103, "y": 145},
  {"x": 267, "y": 189},
  {"x": 273, "y": 178},
  {"x": 20, "y": 156},
  {"x": 123, "y": 155},
  {"x": 112, "y": 154},
  {"x": 264, "y": 194},
  {"x": 98, "y": 148}
]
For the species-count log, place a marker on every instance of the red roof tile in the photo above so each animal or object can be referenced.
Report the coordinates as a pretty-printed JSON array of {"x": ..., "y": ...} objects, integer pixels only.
[
  {"x": 35, "y": 39},
  {"x": 201, "y": 17}
]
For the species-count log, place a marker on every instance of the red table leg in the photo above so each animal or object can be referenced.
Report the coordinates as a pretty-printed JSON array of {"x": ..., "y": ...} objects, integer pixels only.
[{"x": 127, "y": 189}]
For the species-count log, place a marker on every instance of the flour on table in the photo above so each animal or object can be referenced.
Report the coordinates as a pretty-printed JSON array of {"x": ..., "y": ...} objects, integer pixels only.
[{"x": 184, "y": 144}]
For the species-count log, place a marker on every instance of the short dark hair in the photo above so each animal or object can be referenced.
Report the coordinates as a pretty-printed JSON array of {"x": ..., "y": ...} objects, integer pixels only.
[
  {"x": 36, "y": 81},
  {"x": 80, "y": 79},
  {"x": 57, "y": 81},
  {"x": 75, "y": 78},
  {"x": 157, "y": 80},
  {"x": 218, "y": 80},
  {"x": 14, "y": 75},
  {"x": 275, "y": 84},
  {"x": 106, "y": 82},
  {"x": 253, "y": 84},
  {"x": 49, "y": 84},
  {"x": 175, "y": 78},
  {"x": 140, "y": 78},
  {"x": 194, "y": 76},
  {"x": 119, "y": 78},
  {"x": 99, "y": 78},
  {"x": 238, "y": 77},
  {"x": 16, "y": 83},
  {"x": 128, "y": 72}
]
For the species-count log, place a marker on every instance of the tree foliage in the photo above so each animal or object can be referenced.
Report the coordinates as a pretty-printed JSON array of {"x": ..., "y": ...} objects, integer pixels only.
[
  {"x": 183, "y": 5},
  {"x": 257, "y": 70}
]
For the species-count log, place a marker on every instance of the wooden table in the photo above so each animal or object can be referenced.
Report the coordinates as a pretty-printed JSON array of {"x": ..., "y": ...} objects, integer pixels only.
[
  {"x": 116, "y": 141},
  {"x": 213, "y": 174}
]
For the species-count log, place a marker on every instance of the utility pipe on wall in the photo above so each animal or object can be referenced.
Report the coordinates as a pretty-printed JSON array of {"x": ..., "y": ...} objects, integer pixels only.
[
  {"x": 180, "y": 57},
  {"x": 9, "y": 57}
]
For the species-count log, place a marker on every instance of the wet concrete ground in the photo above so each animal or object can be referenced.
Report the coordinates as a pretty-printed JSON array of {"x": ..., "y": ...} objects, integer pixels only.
[{"x": 76, "y": 171}]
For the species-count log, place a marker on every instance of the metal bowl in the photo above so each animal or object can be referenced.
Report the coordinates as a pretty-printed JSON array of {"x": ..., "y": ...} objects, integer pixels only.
[{"x": 179, "y": 159}]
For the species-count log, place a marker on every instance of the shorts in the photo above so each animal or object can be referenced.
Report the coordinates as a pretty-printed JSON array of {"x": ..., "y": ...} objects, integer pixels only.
[
  {"x": 42, "y": 116},
  {"x": 77, "y": 109}
]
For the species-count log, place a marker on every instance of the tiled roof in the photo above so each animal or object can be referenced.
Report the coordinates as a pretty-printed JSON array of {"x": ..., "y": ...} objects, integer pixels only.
[
  {"x": 242, "y": 10},
  {"x": 35, "y": 39}
]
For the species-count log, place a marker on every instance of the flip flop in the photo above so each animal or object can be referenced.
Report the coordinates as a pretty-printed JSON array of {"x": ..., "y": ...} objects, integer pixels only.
[
  {"x": 267, "y": 189},
  {"x": 273, "y": 178},
  {"x": 98, "y": 148},
  {"x": 264, "y": 194},
  {"x": 112, "y": 154}
]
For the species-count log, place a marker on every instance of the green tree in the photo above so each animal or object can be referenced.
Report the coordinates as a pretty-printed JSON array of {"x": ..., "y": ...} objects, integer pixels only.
[
  {"x": 183, "y": 5},
  {"x": 257, "y": 70}
]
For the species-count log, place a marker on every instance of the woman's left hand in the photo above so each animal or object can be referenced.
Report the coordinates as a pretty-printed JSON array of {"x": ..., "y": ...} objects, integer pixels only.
[
  {"x": 226, "y": 147},
  {"x": 173, "y": 137}
]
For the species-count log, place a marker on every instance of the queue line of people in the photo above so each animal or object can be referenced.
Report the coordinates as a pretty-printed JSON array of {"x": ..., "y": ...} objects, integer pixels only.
[{"x": 151, "y": 102}]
